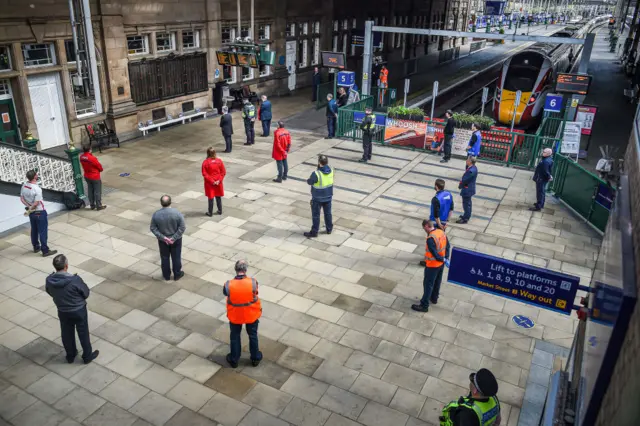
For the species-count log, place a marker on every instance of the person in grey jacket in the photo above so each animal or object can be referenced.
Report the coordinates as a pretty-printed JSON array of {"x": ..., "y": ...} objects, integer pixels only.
[
  {"x": 167, "y": 224},
  {"x": 70, "y": 293}
]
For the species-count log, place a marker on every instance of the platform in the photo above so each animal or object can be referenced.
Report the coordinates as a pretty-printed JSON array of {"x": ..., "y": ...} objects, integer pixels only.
[{"x": 341, "y": 344}]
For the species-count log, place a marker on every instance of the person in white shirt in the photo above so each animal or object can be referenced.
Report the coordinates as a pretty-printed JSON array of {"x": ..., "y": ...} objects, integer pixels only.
[{"x": 31, "y": 197}]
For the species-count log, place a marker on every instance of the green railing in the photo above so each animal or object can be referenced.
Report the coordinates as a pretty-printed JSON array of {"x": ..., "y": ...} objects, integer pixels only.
[
  {"x": 322, "y": 91},
  {"x": 578, "y": 187},
  {"x": 346, "y": 127},
  {"x": 384, "y": 98}
]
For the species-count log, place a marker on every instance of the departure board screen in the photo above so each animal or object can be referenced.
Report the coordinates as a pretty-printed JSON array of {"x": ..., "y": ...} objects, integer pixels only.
[
  {"x": 577, "y": 84},
  {"x": 247, "y": 60},
  {"x": 333, "y": 60},
  {"x": 227, "y": 58}
]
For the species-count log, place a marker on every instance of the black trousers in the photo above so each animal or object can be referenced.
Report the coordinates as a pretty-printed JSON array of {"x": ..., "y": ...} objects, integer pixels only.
[
  {"x": 70, "y": 322},
  {"x": 250, "y": 131},
  {"x": 218, "y": 204},
  {"x": 94, "y": 192},
  {"x": 448, "y": 142},
  {"x": 173, "y": 252},
  {"x": 227, "y": 143},
  {"x": 366, "y": 145}
]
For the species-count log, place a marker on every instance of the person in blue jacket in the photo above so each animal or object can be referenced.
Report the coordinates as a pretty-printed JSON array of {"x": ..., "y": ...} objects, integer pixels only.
[
  {"x": 265, "y": 116},
  {"x": 467, "y": 187},
  {"x": 332, "y": 116},
  {"x": 317, "y": 81},
  {"x": 475, "y": 141},
  {"x": 542, "y": 176},
  {"x": 441, "y": 205}
]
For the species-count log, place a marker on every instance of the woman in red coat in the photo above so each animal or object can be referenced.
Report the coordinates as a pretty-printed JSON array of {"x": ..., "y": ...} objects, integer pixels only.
[{"x": 213, "y": 172}]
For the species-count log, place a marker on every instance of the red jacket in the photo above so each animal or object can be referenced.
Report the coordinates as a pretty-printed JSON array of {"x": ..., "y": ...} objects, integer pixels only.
[
  {"x": 281, "y": 144},
  {"x": 213, "y": 170},
  {"x": 91, "y": 166}
]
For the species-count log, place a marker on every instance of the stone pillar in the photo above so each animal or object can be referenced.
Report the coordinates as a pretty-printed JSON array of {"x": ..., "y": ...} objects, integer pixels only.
[
  {"x": 279, "y": 40},
  {"x": 25, "y": 100},
  {"x": 211, "y": 40}
]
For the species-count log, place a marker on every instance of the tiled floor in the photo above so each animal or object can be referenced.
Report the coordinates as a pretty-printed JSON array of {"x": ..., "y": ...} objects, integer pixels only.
[{"x": 340, "y": 341}]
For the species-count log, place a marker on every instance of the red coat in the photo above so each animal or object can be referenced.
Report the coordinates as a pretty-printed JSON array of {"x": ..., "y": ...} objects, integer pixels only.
[
  {"x": 213, "y": 170},
  {"x": 281, "y": 144},
  {"x": 91, "y": 166}
]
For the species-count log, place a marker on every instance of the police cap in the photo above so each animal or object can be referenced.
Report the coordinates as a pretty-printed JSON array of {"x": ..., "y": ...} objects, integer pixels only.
[{"x": 485, "y": 382}]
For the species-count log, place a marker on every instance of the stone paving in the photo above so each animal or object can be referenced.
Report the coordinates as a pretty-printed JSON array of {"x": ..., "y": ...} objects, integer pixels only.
[{"x": 341, "y": 344}]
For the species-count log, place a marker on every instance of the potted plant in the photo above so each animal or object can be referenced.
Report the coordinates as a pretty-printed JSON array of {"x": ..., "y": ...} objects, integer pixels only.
[{"x": 464, "y": 121}]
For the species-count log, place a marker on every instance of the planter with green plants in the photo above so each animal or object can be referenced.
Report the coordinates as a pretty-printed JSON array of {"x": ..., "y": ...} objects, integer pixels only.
[
  {"x": 464, "y": 121},
  {"x": 404, "y": 113}
]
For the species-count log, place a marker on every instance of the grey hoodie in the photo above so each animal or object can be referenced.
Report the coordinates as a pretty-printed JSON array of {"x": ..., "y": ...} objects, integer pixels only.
[{"x": 68, "y": 291}]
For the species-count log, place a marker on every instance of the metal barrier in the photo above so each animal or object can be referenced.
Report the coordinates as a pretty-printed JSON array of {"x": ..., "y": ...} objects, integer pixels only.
[
  {"x": 384, "y": 98},
  {"x": 323, "y": 90},
  {"x": 577, "y": 188}
]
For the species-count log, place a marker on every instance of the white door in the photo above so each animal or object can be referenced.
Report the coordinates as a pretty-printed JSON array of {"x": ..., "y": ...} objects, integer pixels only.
[
  {"x": 46, "y": 102},
  {"x": 291, "y": 63}
]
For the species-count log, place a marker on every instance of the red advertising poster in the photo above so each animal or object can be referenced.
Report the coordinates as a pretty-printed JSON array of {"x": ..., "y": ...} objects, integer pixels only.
[
  {"x": 586, "y": 115},
  {"x": 411, "y": 133}
]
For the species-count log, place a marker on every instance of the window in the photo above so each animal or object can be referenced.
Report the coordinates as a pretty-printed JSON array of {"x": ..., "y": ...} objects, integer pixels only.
[
  {"x": 70, "y": 50},
  {"x": 345, "y": 24},
  {"x": 264, "y": 32},
  {"x": 354, "y": 23},
  {"x": 4, "y": 87},
  {"x": 316, "y": 52},
  {"x": 83, "y": 101},
  {"x": 316, "y": 27},
  {"x": 344, "y": 43},
  {"x": 165, "y": 42},
  {"x": 302, "y": 53},
  {"x": 137, "y": 44},
  {"x": 247, "y": 73},
  {"x": 303, "y": 28},
  {"x": 375, "y": 20},
  {"x": 335, "y": 25},
  {"x": 244, "y": 33},
  {"x": 335, "y": 43},
  {"x": 38, "y": 54},
  {"x": 228, "y": 35},
  {"x": 265, "y": 70},
  {"x": 229, "y": 74},
  {"x": 191, "y": 39},
  {"x": 393, "y": 35},
  {"x": 5, "y": 59},
  {"x": 290, "y": 30}
]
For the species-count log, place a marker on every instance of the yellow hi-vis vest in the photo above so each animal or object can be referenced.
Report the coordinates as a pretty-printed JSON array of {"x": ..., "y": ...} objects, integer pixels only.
[
  {"x": 487, "y": 411},
  {"x": 324, "y": 181},
  {"x": 371, "y": 126},
  {"x": 249, "y": 111}
]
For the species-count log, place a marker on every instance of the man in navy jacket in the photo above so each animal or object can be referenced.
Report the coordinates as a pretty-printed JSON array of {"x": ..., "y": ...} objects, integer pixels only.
[
  {"x": 542, "y": 176},
  {"x": 467, "y": 187},
  {"x": 317, "y": 81},
  {"x": 265, "y": 116}
]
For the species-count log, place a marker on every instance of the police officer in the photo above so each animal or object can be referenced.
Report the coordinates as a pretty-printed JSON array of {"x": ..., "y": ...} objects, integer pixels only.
[
  {"x": 441, "y": 205},
  {"x": 31, "y": 197},
  {"x": 436, "y": 253},
  {"x": 243, "y": 307},
  {"x": 321, "y": 181},
  {"x": 480, "y": 408},
  {"x": 249, "y": 117},
  {"x": 367, "y": 126}
]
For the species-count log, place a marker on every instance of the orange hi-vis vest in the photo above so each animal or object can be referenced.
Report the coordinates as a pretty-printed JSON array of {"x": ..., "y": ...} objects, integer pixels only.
[
  {"x": 243, "y": 305},
  {"x": 441, "y": 246},
  {"x": 384, "y": 73}
]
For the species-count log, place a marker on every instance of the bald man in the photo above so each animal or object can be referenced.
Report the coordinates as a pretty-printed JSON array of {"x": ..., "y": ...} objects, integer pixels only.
[{"x": 542, "y": 176}]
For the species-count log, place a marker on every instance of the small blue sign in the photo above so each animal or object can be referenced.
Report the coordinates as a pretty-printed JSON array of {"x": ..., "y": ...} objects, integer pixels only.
[
  {"x": 125, "y": 174},
  {"x": 217, "y": 73},
  {"x": 553, "y": 103},
  {"x": 522, "y": 321},
  {"x": 281, "y": 60},
  {"x": 359, "y": 116},
  {"x": 514, "y": 280},
  {"x": 346, "y": 78}
]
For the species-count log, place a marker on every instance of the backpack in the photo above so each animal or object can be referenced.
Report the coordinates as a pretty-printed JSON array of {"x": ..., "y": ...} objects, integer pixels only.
[{"x": 72, "y": 201}]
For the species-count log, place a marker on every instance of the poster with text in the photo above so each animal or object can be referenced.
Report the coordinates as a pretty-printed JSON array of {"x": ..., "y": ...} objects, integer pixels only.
[{"x": 586, "y": 115}]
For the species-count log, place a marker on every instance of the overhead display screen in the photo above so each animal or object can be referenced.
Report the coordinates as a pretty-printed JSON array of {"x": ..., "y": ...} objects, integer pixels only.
[
  {"x": 577, "y": 84},
  {"x": 227, "y": 58},
  {"x": 333, "y": 60},
  {"x": 247, "y": 60}
]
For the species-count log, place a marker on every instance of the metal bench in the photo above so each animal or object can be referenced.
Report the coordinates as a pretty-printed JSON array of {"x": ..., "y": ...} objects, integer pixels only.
[
  {"x": 144, "y": 128},
  {"x": 101, "y": 135}
]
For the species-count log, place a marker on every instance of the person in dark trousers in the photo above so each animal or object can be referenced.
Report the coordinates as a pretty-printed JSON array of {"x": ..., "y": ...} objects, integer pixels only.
[
  {"x": 542, "y": 176},
  {"x": 167, "y": 224},
  {"x": 321, "y": 182},
  {"x": 243, "y": 307},
  {"x": 70, "y": 293},
  {"x": 441, "y": 205},
  {"x": 213, "y": 172},
  {"x": 317, "y": 81},
  {"x": 437, "y": 251},
  {"x": 475, "y": 142},
  {"x": 249, "y": 118},
  {"x": 31, "y": 197},
  {"x": 479, "y": 408},
  {"x": 368, "y": 127},
  {"x": 281, "y": 147},
  {"x": 265, "y": 116},
  {"x": 332, "y": 116},
  {"x": 226, "y": 125},
  {"x": 92, "y": 168},
  {"x": 449, "y": 129},
  {"x": 467, "y": 187}
]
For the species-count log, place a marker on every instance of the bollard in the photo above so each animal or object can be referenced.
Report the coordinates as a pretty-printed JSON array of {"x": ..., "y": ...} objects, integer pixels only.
[{"x": 74, "y": 156}]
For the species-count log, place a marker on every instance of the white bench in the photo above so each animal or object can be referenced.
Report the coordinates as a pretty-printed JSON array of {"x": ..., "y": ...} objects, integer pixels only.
[{"x": 159, "y": 124}]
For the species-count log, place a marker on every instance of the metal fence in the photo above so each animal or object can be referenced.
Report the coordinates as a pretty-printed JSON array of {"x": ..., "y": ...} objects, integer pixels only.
[
  {"x": 577, "y": 187},
  {"x": 347, "y": 127}
]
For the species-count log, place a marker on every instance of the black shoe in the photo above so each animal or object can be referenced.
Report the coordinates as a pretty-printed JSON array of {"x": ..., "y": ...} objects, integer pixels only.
[
  {"x": 329, "y": 231},
  {"x": 278, "y": 180},
  {"x": 167, "y": 278},
  {"x": 255, "y": 362},
  {"x": 93, "y": 207},
  {"x": 226, "y": 152},
  {"x": 461, "y": 220},
  {"x": 219, "y": 212},
  {"x": 93, "y": 356},
  {"x": 535, "y": 209},
  {"x": 36, "y": 250},
  {"x": 247, "y": 143},
  {"x": 209, "y": 214},
  {"x": 231, "y": 363},
  {"x": 420, "y": 308},
  {"x": 284, "y": 178},
  {"x": 433, "y": 302},
  {"x": 311, "y": 234},
  {"x": 49, "y": 253},
  {"x": 368, "y": 158},
  {"x": 71, "y": 359},
  {"x": 444, "y": 161},
  {"x": 423, "y": 263},
  {"x": 102, "y": 207},
  {"x": 177, "y": 277},
  {"x": 328, "y": 137},
  {"x": 362, "y": 160}
]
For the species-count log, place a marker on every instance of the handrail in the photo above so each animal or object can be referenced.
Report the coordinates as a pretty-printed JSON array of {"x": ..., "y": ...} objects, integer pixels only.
[{"x": 30, "y": 151}]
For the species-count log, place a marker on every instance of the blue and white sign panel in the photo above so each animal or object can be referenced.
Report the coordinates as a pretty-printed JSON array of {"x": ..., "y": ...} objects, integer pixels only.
[
  {"x": 522, "y": 321},
  {"x": 553, "y": 103},
  {"x": 346, "y": 78},
  {"x": 514, "y": 280},
  {"x": 359, "y": 116}
]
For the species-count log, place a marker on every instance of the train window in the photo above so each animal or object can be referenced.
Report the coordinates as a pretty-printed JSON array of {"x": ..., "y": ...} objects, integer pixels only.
[{"x": 521, "y": 77}]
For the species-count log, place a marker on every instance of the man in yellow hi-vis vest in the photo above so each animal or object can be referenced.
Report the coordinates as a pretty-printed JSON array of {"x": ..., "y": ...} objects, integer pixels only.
[
  {"x": 368, "y": 128},
  {"x": 321, "y": 182},
  {"x": 480, "y": 408},
  {"x": 249, "y": 117}
]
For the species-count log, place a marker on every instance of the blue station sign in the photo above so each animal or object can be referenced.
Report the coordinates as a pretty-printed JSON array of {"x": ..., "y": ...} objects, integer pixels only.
[
  {"x": 346, "y": 78},
  {"x": 359, "y": 116},
  {"x": 514, "y": 280},
  {"x": 553, "y": 103}
]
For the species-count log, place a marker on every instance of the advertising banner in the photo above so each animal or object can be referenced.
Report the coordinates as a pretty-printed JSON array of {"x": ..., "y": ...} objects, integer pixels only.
[{"x": 586, "y": 115}]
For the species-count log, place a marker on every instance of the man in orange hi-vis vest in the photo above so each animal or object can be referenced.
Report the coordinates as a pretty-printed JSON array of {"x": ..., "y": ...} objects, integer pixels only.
[
  {"x": 243, "y": 307},
  {"x": 383, "y": 85},
  {"x": 435, "y": 257}
]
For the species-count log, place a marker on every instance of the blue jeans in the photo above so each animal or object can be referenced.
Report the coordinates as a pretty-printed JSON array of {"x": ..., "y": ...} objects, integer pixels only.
[
  {"x": 431, "y": 285},
  {"x": 541, "y": 190},
  {"x": 236, "y": 345},
  {"x": 315, "y": 216},
  {"x": 331, "y": 126},
  {"x": 266, "y": 125},
  {"x": 39, "y": 230},
  {"x": 466, "y": 206},
  {"x": 283, "y": 168},
  {"x": 173, "y": 252}
]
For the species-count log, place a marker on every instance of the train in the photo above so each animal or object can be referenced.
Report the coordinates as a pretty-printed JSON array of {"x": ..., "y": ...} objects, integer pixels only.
[{"x": 533, "y": 72}]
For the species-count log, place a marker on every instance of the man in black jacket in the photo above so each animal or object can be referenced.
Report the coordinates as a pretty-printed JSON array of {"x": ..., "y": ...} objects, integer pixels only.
[
  {"x": 449, "y": 129},
  {"x": 226, "y": 124},
  {"x": 70, "y": 295}
]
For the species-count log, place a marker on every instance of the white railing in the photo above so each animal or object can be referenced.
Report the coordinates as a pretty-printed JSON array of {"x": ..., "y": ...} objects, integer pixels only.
[{"x": 54, "y": 173}]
